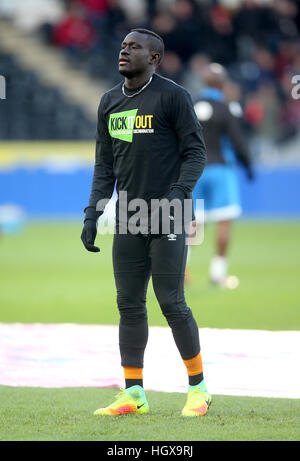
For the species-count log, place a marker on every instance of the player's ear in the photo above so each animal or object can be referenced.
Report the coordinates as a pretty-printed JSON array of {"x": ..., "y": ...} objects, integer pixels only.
[{"x": 154, "y": 58}]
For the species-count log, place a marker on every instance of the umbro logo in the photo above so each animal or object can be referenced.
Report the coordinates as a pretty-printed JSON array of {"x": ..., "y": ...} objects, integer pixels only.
[{"x": 172, "y": 237}]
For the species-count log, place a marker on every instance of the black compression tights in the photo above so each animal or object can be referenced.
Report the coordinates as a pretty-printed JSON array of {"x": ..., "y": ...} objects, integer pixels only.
[{"x": 135, "y": 259}]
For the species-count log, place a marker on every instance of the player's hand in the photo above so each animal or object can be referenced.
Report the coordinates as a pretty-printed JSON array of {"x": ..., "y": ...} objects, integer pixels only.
[
  {"x": 164, "y": 217},
  {"x": 89, "y": 231},
  {"x": 88, "y": 235},
  {"x": 177, "y": 193}
]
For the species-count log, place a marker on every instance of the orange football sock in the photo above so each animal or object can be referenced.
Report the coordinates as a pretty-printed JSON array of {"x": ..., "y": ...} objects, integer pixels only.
[
  {"x": 133, "y": 373},
  {"x": 194, "y": 368},
  {"x": 133, "y": 376}
]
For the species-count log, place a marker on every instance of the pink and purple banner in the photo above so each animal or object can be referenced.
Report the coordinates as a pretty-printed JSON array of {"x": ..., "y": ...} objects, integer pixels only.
[{"x": 236, "y": 362}]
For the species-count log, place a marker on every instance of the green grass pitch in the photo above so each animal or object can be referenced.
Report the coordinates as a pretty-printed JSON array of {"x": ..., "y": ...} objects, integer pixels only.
[
  {"x": 47, "y": 276},
  {"x": 67, "y": 414}
]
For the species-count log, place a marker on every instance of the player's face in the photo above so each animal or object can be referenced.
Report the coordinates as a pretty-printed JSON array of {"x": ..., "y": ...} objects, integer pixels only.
[{"x": 135, "y": 56}]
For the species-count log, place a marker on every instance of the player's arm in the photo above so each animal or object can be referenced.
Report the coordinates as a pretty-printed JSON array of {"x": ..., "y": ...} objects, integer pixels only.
[
  {"x": 102, "y": 185},
  {"x": 238, "y": 142},
  {"x": 191, "y": 144},
  {"x": 192, "y": 149}
]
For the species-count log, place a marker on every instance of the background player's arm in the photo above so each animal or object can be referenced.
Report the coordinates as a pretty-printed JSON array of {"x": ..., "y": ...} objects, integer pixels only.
[{"x": 239, "y": 144}]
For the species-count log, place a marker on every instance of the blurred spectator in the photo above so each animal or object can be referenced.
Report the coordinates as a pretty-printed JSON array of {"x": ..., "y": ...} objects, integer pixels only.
[
  {"x": 270, "y": 103},
  {"x": 164, "y": 24},
  {"x": 193, "y": 78},
  {"x": 255, "y": 20},
  {"x": 179, "y": 28},
  {"x": 288, "y": 52},
  {"x": 220, "y": 36},
  {"x": 265, "y": 61},
  {"x": 257, "y": 40},
  {"x": 171, "y": 67},
  {"x": 94, "y": 7},
  {"x": 74, "y": 31},
  {"x": 254, "y": 111},
  {"x": 29, "y": 15},
  {"x": 135, "y": 11},
  {"x": 285, "y": 13}
]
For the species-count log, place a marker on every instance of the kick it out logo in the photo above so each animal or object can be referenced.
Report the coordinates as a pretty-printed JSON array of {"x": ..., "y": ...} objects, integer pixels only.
[{"x": 122, "y": 125}]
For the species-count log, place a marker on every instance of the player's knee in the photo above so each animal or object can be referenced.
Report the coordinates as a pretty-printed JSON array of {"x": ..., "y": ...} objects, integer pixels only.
[
  {"x": 130, "y": 304},
  {"x": 133, "y": 315},
  {"x": 180, "y": 317},
  {"x": 175, "y": 311}
]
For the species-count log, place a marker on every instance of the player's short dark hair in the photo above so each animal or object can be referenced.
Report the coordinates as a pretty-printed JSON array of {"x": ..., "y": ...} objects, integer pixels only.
[{"x": 157, "y": 42}]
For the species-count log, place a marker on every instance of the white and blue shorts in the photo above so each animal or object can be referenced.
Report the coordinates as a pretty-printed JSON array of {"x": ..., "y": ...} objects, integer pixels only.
[{"x": 219, "y": 188}]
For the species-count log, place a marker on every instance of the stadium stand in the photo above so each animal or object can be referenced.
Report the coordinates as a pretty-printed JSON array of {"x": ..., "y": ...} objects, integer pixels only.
[
  {"x": 32, "y": 111},
  {"x": 257, "y": 40}
]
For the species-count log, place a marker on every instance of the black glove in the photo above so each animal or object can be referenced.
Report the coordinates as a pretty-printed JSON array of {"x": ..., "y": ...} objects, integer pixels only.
[
  {"x": 159, "y": 214},
  {"x": 89, "y": 231},
  {"x": 176, "y": 192}
]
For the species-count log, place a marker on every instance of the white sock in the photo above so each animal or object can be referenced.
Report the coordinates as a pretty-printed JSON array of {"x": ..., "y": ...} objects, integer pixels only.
[
  {"x": 188, "y": 254},
  {"x": 218, "y": 268}
]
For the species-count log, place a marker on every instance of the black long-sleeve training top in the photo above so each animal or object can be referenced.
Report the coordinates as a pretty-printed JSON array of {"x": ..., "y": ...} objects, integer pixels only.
[
  {"x": 220, "y": 126},
  {"x": 148, "y": 143}
]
